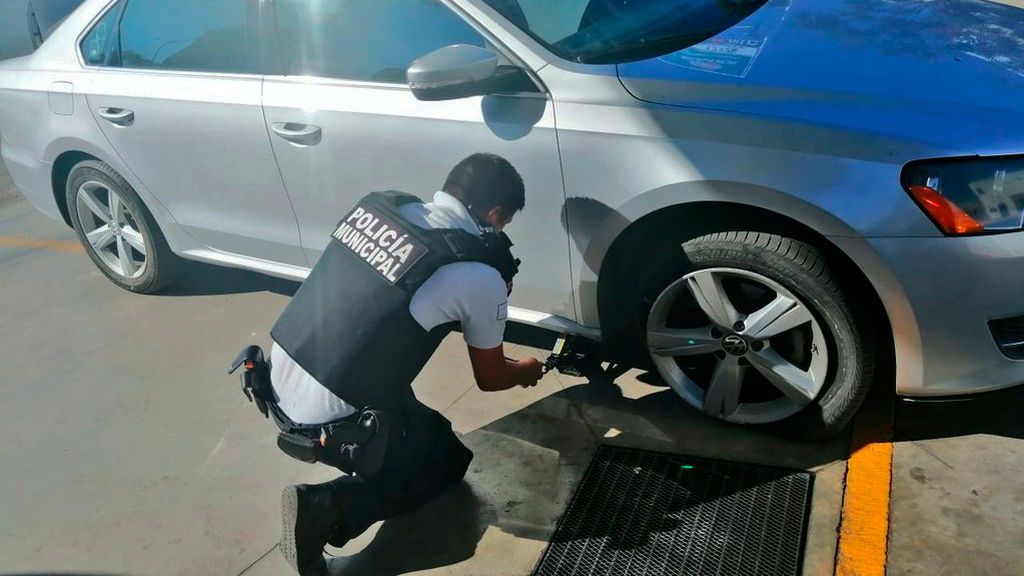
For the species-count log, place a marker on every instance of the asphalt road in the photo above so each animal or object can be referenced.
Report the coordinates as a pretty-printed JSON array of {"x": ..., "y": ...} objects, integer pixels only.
[{"x": 127, "y": 450}]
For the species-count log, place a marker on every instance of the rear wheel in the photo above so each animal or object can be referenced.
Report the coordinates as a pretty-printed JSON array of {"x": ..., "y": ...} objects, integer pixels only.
[
  {"x": 117, "y": 230},
  {"x": 752, "y": 328}
]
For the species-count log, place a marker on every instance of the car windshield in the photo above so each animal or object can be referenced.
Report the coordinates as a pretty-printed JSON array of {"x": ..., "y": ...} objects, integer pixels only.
[{"x": 615, "y": 31}]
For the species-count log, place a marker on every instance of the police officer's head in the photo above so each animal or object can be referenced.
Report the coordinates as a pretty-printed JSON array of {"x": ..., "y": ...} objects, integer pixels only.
[{"x": 490, "y": 188}]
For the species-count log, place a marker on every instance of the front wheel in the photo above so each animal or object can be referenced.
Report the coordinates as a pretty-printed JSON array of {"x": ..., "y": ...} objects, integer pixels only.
[{"x": 752, "y": 328}]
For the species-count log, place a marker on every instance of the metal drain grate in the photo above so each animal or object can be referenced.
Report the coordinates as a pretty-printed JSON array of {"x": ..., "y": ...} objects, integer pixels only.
[{"x": 640, "y": 512}]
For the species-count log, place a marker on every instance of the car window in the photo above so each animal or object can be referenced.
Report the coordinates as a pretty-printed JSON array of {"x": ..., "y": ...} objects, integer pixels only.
[
  {"x": 187, "y": 35},
  {"x": 367, "y": 40},
  {"x": 99, "y": 47}
]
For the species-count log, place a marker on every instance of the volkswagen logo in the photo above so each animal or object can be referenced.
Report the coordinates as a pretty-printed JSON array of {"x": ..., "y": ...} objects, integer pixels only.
[{"x": 735, "y": 344}]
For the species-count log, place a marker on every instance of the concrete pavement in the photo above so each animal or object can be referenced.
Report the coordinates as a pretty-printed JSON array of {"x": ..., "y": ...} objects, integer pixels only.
[
  {"x": 128, "y": 451},
  {"x": 957, "y": 494}
]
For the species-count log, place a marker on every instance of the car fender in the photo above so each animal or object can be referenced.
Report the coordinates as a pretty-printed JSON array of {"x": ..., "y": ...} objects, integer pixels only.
[{"x": 595, "y": 244}]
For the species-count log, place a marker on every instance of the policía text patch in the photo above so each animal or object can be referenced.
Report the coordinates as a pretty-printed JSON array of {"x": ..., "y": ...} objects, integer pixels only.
[{"x": 380, "y": 242}]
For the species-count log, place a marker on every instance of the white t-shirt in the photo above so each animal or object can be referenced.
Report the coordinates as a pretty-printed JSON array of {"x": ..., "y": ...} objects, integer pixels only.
[{"x": 470, "y": 293}]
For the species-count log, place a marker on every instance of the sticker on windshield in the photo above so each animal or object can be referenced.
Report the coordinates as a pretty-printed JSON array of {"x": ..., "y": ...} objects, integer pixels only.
[{"x": 720, "y": 56}]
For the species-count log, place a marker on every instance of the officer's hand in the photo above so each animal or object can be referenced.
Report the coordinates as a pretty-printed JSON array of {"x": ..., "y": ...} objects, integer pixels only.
[{"x": 532, "y": 371}]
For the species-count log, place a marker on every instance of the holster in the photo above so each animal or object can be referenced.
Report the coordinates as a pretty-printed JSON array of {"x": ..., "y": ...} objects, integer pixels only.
[
  {"x": 256, "y": 377},
  {"x": 355, "y": 445}
]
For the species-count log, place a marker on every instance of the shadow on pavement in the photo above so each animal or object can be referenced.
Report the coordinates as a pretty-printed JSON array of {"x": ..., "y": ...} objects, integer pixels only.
[
  {"x": 199, "y": 279},
  {"x": 662, "y": 421},
  {"x": 527, "y": 466},
  {"x": 995, "y": 413}
]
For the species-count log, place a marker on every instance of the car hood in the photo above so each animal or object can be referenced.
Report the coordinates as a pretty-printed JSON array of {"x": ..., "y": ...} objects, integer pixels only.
[{"x": 946, "y": 73}]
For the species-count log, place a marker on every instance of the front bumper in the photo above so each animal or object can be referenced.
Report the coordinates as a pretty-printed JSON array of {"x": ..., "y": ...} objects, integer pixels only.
[{"x": 955, "y": 286}]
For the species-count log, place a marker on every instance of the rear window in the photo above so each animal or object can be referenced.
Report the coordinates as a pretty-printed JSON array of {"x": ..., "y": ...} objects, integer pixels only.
[
  {"x": 99, "y": 47},
  {"x": 187, "y": 35}
]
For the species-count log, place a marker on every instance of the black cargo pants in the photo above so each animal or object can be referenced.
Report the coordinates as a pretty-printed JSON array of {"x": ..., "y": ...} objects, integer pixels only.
[{"x": 423, "y": 459}]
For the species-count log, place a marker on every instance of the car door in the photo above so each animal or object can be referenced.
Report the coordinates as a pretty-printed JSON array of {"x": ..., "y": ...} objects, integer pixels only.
[
  {"x": 343, "y": 123},
  {"x": 180, "y": 102}
]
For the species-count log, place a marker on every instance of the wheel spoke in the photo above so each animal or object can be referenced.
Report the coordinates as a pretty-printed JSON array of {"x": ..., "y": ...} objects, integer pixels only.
[
  {"x": 95, "y": 206},
  {"x": 723, "y": 394},
  {"x": 676, "y": 342},
  {"x": 124, "y": 253},
  {"x": 781, "y": 315},
  {"x": 707, "y": 290},
  {"x": 101, "y": 237},
  {"x": 115, "y": 207},
  {"x": 134, "y": 238},
  {"x": 796, "y": 384}
]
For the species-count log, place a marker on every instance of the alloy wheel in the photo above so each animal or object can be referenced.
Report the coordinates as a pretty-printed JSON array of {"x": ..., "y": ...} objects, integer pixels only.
[
  {"x": 112, "y": 230},
  {"x": 738, "y": 345}
]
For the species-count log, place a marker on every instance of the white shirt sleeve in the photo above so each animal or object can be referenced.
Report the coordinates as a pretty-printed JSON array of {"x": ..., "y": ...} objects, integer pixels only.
[{"x": 470, "y": 293}]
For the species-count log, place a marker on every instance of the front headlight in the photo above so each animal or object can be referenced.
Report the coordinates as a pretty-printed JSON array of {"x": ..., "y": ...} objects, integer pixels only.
[{"x": 966, "y": 196}]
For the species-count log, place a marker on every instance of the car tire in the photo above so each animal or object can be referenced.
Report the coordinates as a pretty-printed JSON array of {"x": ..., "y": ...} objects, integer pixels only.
[
  {"x": 117, "y": 230},
  {"x": 740, "y": 265}
]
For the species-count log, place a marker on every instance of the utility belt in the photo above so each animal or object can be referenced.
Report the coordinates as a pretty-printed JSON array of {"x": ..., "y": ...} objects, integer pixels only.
[{"x": 355, "y": 444}]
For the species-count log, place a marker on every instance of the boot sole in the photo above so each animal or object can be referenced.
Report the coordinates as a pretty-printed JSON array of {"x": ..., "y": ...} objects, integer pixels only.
[{"x": 289, "y": 519}]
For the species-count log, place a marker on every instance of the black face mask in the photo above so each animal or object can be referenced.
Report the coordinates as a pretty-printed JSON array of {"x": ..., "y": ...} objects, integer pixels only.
[{"x": 498, "y": 250}]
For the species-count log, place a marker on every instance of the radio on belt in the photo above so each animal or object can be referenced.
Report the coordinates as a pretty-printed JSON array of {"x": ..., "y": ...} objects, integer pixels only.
[{"x": 572, "y": 356}]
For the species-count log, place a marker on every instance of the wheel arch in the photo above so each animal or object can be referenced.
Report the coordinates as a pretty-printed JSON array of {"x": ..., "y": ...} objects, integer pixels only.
[
  {"x": 658, "y": 220},
  {"x": 62, "y": 166},
  {"x": 64, "y": 153}
]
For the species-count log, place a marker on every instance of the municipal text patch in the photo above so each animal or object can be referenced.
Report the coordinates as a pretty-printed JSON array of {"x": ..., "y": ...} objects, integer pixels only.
[{"x": 380, "y": 242}]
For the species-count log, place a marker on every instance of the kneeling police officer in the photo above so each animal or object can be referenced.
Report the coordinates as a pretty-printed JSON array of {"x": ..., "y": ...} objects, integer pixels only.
[{"x": 397, "y": 276}]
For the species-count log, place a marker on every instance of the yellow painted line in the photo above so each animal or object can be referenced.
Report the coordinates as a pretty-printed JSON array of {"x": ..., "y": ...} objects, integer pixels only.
[
  {"x": 864, "y": 528},
  {"x": 31, "y": 243}
]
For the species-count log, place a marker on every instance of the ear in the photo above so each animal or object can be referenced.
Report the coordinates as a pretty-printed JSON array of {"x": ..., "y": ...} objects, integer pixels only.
[{"x": 493, "y": 218}]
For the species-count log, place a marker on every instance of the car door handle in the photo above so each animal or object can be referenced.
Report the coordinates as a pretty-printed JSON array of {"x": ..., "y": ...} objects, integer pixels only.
[
  {"x": 118, "y": 116},
  {"x": 301, "y": 134}
]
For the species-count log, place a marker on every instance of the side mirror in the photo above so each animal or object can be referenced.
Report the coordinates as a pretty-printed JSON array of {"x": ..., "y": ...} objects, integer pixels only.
[{"x": 460, "y": 71}]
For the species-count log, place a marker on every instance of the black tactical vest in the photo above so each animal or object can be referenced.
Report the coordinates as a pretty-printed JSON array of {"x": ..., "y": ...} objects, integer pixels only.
[{"x": 349, "y": 324}]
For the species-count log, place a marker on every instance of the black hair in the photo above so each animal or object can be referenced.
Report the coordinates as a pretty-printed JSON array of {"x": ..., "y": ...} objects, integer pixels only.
[{"x": 484, "y": 181}]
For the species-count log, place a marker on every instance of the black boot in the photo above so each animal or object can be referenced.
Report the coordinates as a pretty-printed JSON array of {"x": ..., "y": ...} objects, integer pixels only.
[
  {"x": 360, "y": 507},
  {"x": 309, "y": 515}
]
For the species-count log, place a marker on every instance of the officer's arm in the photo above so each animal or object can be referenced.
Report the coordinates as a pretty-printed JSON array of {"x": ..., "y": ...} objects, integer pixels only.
[{"x": 494, "y": 372}]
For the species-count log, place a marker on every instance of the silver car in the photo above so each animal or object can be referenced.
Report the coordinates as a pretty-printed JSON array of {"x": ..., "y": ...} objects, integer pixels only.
[{"x": 760, "y": 200}]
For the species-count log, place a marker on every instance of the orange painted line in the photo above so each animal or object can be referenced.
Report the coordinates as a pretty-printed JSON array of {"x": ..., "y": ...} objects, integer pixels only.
[
  {"x": 864, "y": 528},
  {"x": 30, "y": 243}
]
